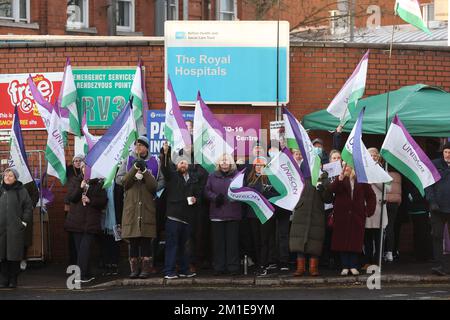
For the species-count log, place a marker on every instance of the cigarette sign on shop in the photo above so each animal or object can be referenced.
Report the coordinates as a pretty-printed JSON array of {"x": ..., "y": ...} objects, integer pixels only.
[{"x": 102, "y": 92}]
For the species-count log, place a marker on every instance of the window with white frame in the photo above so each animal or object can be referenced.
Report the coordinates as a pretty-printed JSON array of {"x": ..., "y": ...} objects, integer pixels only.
[
  {"x": 15, "y": 10},
  {"x": 125, "y": 15},
  {"x": 172, "y": 9},
  {"x": 226, "y": 9},
  {"x": 77, "y": 13}
]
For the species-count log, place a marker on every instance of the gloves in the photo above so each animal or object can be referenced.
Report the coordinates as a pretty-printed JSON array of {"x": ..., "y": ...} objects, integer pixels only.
[
  {"x": 140, "y": 165},
  {"x": 320, "y": 187},
  {"x": 434, "y": 207},
  {"x": 220, "y": 200}
]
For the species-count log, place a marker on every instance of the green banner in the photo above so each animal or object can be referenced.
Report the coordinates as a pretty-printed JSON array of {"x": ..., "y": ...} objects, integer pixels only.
[{"x": 103, "y": 92}]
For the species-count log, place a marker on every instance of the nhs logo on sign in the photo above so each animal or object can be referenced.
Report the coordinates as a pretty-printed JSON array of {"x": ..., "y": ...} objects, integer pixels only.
[{"x": 180, "y": 35}]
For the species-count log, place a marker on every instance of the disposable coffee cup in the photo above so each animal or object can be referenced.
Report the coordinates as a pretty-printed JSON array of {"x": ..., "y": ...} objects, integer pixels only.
[{"x": 190, "y": 200}]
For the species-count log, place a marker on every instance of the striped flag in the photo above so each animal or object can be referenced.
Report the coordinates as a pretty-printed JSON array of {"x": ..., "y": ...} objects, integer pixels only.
[
  {"x": 17, "y": 155},
  {"x": 113, "y": 146},
  {"x": 54, "y": 153},
  {"x": 67, "y": 100},
  {"x": 403, "y": 153},
  {"x": 209, "y": 137},
  {"x": 356, "y": 155},
  {"x": 91, "y": 140},
  {"x": 44, "y": 107},
  {"x": 139, "y": 99},
  {"x": 347, "y": 98},
  {"x": 175, "y": 128},
  {"x": 285, "y": 176},
  {"x": 237, "y": 192},
  {"x": 297, "y": 138},
  {"x": 409, "y": 10}
]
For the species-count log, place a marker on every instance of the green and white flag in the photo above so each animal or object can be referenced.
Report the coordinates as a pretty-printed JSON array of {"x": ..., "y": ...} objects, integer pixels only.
[
  {"x": 209, "y": 137},
  {"x": 54, "y": 153},
  {"x": 403, "y": 153},
  {"x": 175, "y": 128},
  {"x": 138, "y": 94},
  {"x": 409, "y": 10},
  {"x": 285, "y": 176},
  {"x": 68, "y": 101},
  {"x": 347, "y": 98}
]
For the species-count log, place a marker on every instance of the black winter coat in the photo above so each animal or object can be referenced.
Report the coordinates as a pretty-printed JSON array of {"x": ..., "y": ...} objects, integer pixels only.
[
  {"x": 439, "y": 193},
  {"x": 85, "y": 219}
]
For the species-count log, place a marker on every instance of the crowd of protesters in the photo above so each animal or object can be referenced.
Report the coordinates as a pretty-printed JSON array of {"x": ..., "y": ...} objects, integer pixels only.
[{"x": 168, "y": 199}]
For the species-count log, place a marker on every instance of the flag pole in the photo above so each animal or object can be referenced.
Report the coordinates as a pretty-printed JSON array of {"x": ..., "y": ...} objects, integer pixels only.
[
  {"x": 380, "y": 257},
  {"x": 278, "y": 116}
]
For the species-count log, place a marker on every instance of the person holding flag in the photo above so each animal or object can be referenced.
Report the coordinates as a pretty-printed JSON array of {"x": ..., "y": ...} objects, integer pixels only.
[
  {"x": 182, "y": 192},
  {"x": 263, "y": 234},
  {"x": 308, "y": 225},
  {"x": 87, "y": 201},
  {"x": 225, "y": 217},
  {"x": 138, "y": 175},
  {"x": 353, "y": 203}
]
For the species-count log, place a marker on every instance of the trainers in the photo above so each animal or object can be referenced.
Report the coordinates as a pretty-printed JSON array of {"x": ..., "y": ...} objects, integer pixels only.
[
  {"x": 438, "y": 271},
  {"x": 344, "y": 272},
  {"x": 272, "y": 266},
  {"x": 284, "y": 267},
  {"x": 187, "y": 275},
  {"x": 354, "y": 271},
  {"x": 171, "y": 276},
  {"x": 262, "y": 272},
  {"x": 389, "y": 257},
  {"x": 23, "y": 265}
]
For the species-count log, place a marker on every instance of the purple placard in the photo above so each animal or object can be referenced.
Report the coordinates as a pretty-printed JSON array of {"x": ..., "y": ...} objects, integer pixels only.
[{"x": 241, "y": 130}]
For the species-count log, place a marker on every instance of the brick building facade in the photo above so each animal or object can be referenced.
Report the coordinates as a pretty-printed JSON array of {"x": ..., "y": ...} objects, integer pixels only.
[
  {"x": 146, "y": 17},
  {"x": 317, "y": 72}
]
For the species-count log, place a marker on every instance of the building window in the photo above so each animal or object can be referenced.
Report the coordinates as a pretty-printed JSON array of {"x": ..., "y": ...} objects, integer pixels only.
[
  {"x": 227, "y": 9},
  {"x": 125, "y": 15},
  {"x": 77, "y": 14},
  {"x": 172, "y": 9},
  {"x": 15, "y": 10}
]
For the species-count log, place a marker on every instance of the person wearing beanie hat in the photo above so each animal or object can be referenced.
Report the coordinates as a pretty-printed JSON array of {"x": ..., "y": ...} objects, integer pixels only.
[
  {"x": 16, "y": 213},
  {"x": 438, "y": 195},
  {"x": 14, "y": 171},
  {"x": 183, "y": 192},
  {"x": 141, "y": 178}
]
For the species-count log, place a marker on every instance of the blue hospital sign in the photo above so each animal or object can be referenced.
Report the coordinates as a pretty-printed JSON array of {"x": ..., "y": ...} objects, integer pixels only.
[{"x": 228, "y": 61}]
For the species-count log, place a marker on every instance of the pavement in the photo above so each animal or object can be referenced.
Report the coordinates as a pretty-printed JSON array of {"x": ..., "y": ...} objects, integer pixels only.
[{"x": 405, "y": 271}]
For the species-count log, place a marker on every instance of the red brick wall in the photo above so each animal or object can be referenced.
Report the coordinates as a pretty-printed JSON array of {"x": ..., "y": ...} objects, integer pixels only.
[{"x": 316, "y": 75}]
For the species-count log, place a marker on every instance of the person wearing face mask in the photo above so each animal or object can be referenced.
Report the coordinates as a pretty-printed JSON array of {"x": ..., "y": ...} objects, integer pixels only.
[
  {"x": 225, "y": 216},
  {"x": 16, "y": 213},
  {"x": 139, "y": 175},
  {"x": 438, "y": 195},
  {"x": 87, "y": 201},
  {"x": 182, "y": 191},
  {"x": 318, "y": 148}
]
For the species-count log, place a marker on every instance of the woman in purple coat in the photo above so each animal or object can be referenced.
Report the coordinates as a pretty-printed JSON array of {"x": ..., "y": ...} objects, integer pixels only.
[
  {"x": 353, "y": 203},
  {"x": 225, "y": 216}
]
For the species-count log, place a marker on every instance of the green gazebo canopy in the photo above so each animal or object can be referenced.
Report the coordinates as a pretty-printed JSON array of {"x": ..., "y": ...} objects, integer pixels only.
[{"x": 423, "y": 109}]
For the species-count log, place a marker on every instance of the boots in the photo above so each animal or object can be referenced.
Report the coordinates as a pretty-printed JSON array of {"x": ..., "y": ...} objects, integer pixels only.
[
  {"x": 300, "y": 267},
  {"x": 145, "y": 268},
  {"x": 314, "y": 267},
  {"x": 134, "y": 266}
]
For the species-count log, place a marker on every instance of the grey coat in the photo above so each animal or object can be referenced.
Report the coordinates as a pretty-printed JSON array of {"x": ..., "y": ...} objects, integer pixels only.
[
  {"x": 308, "y": 224},
  {"x": 15, "y": 207}
]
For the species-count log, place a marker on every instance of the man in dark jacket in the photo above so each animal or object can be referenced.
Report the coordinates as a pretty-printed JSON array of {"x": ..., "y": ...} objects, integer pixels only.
[
  {"x": 439, "y": 197},
  {"x": 183, "y": 191}
]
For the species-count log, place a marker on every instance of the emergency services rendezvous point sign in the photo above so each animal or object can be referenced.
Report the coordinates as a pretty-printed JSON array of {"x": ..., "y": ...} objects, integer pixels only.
[{"x": 228, "y": 61}]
